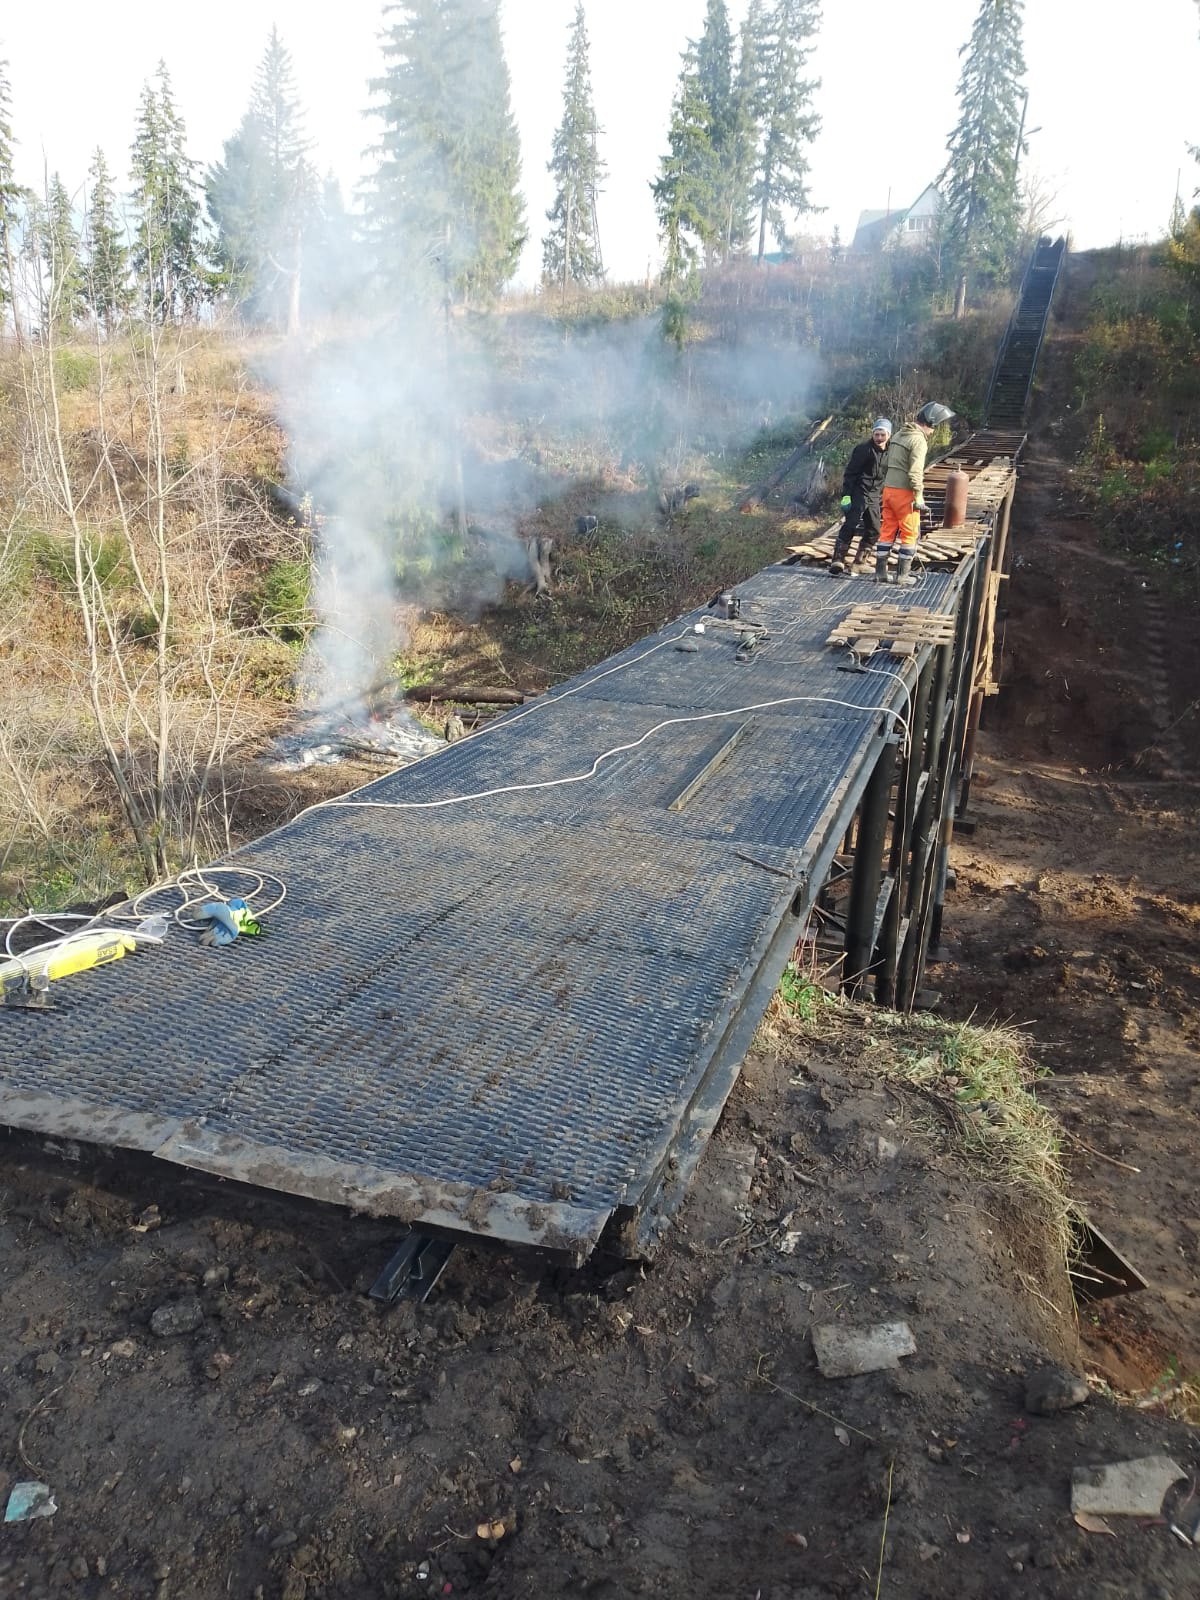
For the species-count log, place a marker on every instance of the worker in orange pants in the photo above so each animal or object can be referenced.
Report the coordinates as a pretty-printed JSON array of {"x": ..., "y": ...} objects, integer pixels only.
[{"x": 904, "y": 493}]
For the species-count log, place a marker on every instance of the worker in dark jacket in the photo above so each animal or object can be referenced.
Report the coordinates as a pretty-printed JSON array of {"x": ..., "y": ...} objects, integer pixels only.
[{"x": 862, "y": 488}]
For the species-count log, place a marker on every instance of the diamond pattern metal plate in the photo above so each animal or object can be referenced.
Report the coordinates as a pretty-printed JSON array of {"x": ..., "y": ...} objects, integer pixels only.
[{"x": 491, "y": 1016}]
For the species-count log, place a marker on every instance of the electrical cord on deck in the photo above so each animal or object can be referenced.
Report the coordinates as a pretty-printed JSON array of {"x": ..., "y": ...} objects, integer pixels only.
[
  {"x": 555, "y": 699},
  {"x": 150, "y": 926},
  {"x": 895, "y": 677},
  {"x": 204, "y": 879},
  {"x": 606, "y": 755}
]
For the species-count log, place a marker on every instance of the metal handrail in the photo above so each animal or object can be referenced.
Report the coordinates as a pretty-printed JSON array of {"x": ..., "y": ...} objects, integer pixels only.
[
  {"x": 1000, "y": 353},
  {"x": 1060, "y": 245}
]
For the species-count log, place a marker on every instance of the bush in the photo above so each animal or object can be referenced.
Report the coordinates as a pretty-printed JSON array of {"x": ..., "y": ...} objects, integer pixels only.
[
  {"x": 1154, "y": 444},
  {"x": 1114, "y": 487},
  {"x": 73, "y": 369},
  {"x": 284, "y": 600},
  {"x": 55, "y": 556}
]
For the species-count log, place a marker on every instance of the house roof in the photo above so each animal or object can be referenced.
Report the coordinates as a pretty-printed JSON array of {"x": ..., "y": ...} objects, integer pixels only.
[{"x": 875, "y": 226}]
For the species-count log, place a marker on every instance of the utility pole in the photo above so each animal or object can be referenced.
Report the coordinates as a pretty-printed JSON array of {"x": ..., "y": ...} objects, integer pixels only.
[{"x": 1022, "y": 135}]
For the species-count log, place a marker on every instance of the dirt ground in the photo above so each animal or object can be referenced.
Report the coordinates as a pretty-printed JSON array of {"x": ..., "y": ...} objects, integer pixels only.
[
  {"x": 665, "y": 1434},
  {"x": 1078, "y": 902}
]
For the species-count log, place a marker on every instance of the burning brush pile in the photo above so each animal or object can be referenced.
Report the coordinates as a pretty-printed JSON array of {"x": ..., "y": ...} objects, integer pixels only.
[{"x": 378, "y": 728}]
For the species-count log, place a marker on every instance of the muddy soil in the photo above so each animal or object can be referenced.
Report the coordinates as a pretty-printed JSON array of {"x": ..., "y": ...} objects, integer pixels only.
[
  {"x": 1078, "y": 901},
  {"x": 534, "y": 1433}
]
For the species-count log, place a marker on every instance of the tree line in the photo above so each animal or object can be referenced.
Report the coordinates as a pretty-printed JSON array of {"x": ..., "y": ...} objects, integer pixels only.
[{"x": 442, "y": 212}]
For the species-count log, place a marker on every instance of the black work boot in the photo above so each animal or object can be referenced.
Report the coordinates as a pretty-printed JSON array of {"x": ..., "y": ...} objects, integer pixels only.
[
  {"x": 837, "y": 564},
  {"x": 904, "y": 577},
  {"x": 881, "y": 564}
]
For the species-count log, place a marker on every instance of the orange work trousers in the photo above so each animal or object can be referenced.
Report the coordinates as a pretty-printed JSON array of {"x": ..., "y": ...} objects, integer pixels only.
[{"x": 899, "y": 518}]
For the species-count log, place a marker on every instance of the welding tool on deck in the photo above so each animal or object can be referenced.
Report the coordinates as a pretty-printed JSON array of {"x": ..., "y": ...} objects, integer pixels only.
[
  {"x": 726, "y": 604},
  {"x": 26, "y": 976},
  {"x": 250, "y": 895}
]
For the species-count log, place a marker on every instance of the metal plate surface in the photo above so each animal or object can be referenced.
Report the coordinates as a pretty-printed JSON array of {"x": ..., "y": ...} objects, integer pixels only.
[{"x": 491, "y": 1016}]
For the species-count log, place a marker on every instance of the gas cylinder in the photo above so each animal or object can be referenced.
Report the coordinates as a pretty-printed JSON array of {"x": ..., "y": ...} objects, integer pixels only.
[{"x": 957, "y": 485}]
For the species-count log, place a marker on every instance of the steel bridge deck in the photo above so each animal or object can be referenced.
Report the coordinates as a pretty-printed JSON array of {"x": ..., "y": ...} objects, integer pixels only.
[{"x": 507, "y": 1017}]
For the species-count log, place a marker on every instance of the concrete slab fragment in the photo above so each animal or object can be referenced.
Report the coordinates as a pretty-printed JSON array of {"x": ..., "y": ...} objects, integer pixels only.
[
  {"x": 845, "y": 1352},
  {"x": 1125, "y": 1488}
]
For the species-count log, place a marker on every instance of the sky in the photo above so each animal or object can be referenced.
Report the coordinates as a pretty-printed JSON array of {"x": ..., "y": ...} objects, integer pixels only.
[{"x": 1111, "y": 97}]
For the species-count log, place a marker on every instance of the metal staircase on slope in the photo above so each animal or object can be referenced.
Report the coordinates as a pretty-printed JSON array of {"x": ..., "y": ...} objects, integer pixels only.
[{"x": 1012, "y": 376}]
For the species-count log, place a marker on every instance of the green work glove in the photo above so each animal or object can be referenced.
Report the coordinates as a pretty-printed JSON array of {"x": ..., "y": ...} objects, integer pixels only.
[{"x": 845, "y": 501}]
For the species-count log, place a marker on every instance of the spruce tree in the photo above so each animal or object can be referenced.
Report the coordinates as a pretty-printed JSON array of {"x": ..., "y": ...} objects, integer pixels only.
[
  {"x": 682, "y": 193},
  {"x": 262, "y": 197},
  {"x": 106, "y": 286},
  {"x": 980, "y": 178},
  {"x": 571, "y": 249},
  {"x": 11, "y": 197},
  {"x": 444, "y": 209},
  {"x": 714, "y": 73},
  {"x": 789, "y": 123},
  {"x": 62, "y": 278},
  {"x": 334, "y": 268},
  {"x": 701, "y": 188},
  {"x": 747, "y": 127},
  {"x": 168, "y": 242}
]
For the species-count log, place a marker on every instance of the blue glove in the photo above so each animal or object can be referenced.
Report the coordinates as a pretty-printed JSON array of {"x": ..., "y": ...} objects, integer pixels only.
[{"x": 222, "y": 924}]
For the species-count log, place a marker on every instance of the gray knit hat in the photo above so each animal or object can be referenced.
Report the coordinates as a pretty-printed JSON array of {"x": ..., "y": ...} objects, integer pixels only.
[{"x": 881, "y": 425}]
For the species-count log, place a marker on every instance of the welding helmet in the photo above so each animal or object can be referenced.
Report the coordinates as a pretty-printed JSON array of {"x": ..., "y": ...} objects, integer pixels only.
[{"x": 933, "y": 415}]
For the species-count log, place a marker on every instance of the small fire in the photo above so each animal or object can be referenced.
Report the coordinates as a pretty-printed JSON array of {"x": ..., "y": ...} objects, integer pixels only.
[{"x": 325, "y": 737}]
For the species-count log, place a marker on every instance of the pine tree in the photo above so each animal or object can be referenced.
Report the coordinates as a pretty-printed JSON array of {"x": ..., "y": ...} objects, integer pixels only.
[
  {"x": 168, "y": 243},
  {"x": 106, "y": 286},
  {"x": 11, "y": 197},
  {"x": 62, "y": 278},
  {"x": 789, "y": 123},
  {"x": 571, "y": 250},
  {"x": 444, "y": 209},
  {"x": 980, "y": 178},
  {"x": 262, "y": 197}
]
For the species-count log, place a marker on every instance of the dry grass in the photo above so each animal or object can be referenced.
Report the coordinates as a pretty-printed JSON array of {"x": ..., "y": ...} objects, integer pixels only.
[
  {"x": 973, "y": 1086},
  {"x": 987, "y": 1076}
]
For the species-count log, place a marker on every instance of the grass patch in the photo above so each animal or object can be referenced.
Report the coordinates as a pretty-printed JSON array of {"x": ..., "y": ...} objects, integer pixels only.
[
  {"x": 987, "y": 1075},
  {"x": 800, "y": 994},
  {"x": 1174, "y": 1395},
  {"x": 103, "y": 560},
  {"x": 978, "y": 1084}
]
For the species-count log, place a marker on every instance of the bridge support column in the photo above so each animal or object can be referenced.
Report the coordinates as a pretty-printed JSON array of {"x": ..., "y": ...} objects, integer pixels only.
[{"x": 865, "y": 884}]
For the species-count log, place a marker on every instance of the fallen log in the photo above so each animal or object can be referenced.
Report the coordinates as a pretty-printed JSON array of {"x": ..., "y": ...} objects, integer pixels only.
[
  {"x": 759, "y": 492},
  {"x": 466, "y": 694}
]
